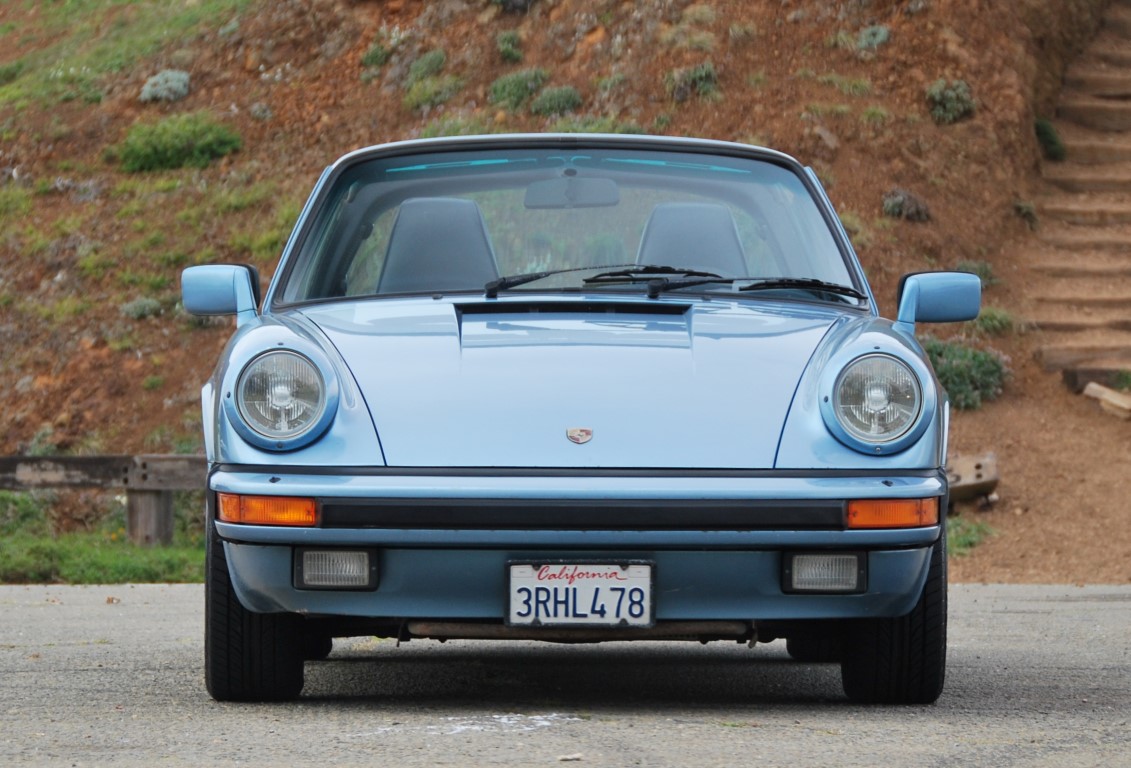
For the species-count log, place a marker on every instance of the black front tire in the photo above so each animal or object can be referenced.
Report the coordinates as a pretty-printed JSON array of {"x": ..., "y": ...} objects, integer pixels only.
[
  {"x": 317, "y": 646},
  {"x": 901, "y": 660},
  {"x": 247, "y": 656}
]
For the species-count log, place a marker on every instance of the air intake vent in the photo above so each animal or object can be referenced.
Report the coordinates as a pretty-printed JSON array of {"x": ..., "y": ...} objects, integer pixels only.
[{"x": 637, "y": 308}]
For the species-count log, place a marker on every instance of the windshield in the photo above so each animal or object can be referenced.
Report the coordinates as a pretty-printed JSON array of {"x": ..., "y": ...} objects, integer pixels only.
[{"x": 448, "y": 222}]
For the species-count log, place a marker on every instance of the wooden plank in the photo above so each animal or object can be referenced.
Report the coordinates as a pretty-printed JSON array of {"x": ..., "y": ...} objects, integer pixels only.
[
  {"x": 1114, "y": 402},
  {"x": 147, "y": 472},
  {"x": 160, "y": 472},
  {"x": 972, "y": 477},
  {"x": 149, "y": 517},
  {"x": 23, "y": 473}
]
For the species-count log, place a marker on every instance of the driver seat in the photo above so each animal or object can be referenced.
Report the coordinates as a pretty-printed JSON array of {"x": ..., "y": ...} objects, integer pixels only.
[{"x": 438, "y": 244}]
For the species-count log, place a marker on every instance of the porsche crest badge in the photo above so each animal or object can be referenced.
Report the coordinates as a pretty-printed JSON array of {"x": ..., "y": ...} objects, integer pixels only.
[{"x": 579, "y": 435}]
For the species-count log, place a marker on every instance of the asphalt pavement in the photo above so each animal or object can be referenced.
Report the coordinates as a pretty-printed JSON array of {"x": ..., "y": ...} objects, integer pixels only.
[{"x": 112, "y": 676}]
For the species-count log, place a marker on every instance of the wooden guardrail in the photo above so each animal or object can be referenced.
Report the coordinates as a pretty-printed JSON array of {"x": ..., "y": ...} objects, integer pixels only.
[{"x": 148, "y": 481}]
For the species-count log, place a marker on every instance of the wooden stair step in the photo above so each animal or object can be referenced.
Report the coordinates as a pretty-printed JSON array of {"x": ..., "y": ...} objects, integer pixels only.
[
  {"x": 1112, "y": 239},
  {"x": 1097, "y": 266},
  {"x": 1059, "y": 357},
  {"x": 1109, "y": 50},
  {"x": 1085, "y": 146},
  {"x": 1098, "y": 210},
  {"x": 1117, "y": 20},
  {"x": 1109, "y": 373},
  {"x": 1098, "y": 114},
  {"x": 1109, "y": 46},
  {"x": 1079, "y": 177},
  {"x": 1099, "y": 81},
  {"x": 1081, "y": 325},
  {"x": 1090, "y": 302}
]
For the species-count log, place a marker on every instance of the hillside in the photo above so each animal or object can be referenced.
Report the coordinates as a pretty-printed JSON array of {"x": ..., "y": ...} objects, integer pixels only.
[{"x": 98, "y": 358}]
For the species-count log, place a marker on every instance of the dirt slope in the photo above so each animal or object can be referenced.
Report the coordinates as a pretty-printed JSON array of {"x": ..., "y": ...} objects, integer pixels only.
[
  {"x": 1064, "y": 461},
  {"x": 841, "y": 85}
]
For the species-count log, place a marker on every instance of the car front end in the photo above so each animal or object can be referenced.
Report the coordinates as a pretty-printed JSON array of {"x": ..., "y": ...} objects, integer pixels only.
[{"x": 580, "y": 436}]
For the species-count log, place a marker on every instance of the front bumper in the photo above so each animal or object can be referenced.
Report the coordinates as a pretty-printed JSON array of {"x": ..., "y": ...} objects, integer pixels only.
[{"x": 716, "y": 539}]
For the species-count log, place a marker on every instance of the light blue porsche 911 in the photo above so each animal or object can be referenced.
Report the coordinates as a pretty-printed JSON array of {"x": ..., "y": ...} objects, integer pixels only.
[{"x": 574, "y": 388}]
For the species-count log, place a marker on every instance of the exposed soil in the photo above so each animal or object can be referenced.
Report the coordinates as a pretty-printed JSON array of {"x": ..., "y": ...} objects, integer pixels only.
[{"x": 79, "y": 375}]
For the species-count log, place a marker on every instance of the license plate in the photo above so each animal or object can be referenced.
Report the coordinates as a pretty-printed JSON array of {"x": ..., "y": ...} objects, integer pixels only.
[{"x": 580, "y": 594}]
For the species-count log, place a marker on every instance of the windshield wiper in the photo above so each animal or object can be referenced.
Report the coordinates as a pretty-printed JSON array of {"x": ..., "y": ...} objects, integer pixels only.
[
  {"x": 656, "y": 275},
  {"x": 658, "y": 285},
  {"x": 804, "y": 283},
  {"x": 647, "y": 271},
  {"x": 513, "y": 281}
]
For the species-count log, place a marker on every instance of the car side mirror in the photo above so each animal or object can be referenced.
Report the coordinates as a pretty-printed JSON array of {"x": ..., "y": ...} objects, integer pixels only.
[
  {"x": 221, "y": 289},
  {"x": 938, "y": 297}
]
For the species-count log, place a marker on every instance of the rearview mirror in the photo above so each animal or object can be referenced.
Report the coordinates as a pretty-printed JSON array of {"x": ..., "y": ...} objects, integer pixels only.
[{"x": 572, "y": 192}]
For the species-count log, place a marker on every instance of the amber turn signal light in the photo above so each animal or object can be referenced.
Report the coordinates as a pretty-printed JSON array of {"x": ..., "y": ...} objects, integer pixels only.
[
  {"x": 267, "y": 510},
  {"x": 893, "y": 513}
]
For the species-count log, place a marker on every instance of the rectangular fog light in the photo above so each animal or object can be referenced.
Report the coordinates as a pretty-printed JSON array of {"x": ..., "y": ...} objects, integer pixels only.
[
  {"x": 335, "y": 569},
  {"x": 828, "y": 572}
]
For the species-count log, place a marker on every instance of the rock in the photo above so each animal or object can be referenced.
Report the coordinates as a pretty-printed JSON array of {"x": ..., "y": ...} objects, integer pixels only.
[{"x": 901, "y": 204}]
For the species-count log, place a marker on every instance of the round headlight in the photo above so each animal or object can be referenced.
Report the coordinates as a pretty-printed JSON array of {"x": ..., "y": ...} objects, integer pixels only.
[
  {"x": 281, "y": 395},
  {"x": 877, "y": 398}
]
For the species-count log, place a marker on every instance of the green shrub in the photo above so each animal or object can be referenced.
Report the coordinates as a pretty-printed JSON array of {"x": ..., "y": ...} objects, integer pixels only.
[
  {"x": 428, "y": 65},
  {"x": 962, "y": 534},
  {"x": 141, "y": 308},
  {"x": 454, "y": 125},
  {"x": 389, "y": 39},
  {"x": 700, "y": 80},
  {"x": 15, "y": 202},
  {"x": 556, "y": 101},
  {"x": 841, "y": 39},
  {"x": 970, "y": 376},
  {"x": 849, "y": 86},
  {"x": 593, "y": 124},
  {"x": 1051, "y": 145},
  {"x": 1027, "y": 212},
  {"x": 874, "y": 115},
  {"x": 194, "y": 140},
  {"x": 432, "y": 91},
  {"x": 10, "y": 72},
  {"x": 166, "y": 85},
  {"x": 742, "y": 33},
  {"x": 950, "y": 102},
  {"x": 377, "y": 55},
  {"x": 699, "y": 14},
  {"x": 993, "y": 321},
  {"x": 983, "y": 269},
  {"x": 509, "y": 45},
  {"x": 871, "y": 38},
  {"x": 513, "y": 90},
  {"x": 24, "y": 512}
]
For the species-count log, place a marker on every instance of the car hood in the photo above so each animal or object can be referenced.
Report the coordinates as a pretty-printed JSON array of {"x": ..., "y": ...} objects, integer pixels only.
[{"x": 640, "y": 385}]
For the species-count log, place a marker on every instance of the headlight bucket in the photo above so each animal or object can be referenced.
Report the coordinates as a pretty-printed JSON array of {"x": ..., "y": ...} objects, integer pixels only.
[
  {"x": 282, "y": 400},
  {"x": 878, "y": 403}
]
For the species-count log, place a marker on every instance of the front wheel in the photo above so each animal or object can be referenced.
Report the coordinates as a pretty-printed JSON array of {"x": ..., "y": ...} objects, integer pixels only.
[
  {"x": 901, "y": 660},
  {"x": 247, "y": 656}
]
